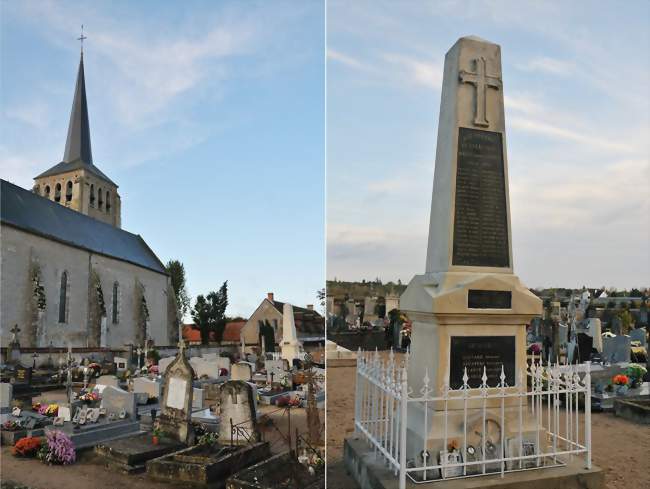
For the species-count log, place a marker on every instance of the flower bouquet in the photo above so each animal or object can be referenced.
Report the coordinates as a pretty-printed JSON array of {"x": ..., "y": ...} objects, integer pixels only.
[
  {"x": 10, "y": 425},
  {"x": 27, "y": 447},
  {"x": 89, "y": 396},
  {"x": 635, "y": 372},
  {"x": 46, "y": 409},
  {"x": 59, "y": 449}
]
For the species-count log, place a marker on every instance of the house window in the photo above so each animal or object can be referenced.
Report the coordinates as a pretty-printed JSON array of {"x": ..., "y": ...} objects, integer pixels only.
[
  {"x": 57, "y": 192},
  {"x": 116, "y": 303},
  {"x": 47, "y": 191},
  {"x": 100, "y": 198},
  {"x": 108, "y": 201},
  {"x": 92, "y": 195},
  {"x": 63, "y": 297},
  {"x": 68, "y": 191}
]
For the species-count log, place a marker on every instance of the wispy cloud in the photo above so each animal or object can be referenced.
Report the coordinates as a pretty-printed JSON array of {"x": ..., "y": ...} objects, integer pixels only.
[{"x": 548, "y": 65}]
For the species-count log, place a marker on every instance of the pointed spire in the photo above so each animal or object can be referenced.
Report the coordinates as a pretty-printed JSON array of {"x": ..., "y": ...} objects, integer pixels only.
[{"x": 77, "y": 146}]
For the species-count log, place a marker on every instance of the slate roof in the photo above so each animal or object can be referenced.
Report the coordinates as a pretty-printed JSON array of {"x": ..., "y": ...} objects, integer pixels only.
[
  {"x": 65, "y": 167},
  {"x": 34, "y": 214},
  {"x": 308, "y": 321},
  {"x": 78, "y": 152}
]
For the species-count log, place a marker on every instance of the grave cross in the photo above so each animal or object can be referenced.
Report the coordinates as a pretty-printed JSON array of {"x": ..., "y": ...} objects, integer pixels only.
[{"x": 482, "y": 81}]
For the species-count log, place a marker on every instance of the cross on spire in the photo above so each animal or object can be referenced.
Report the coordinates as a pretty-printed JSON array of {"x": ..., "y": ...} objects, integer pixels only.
[
  {"x": 482, "y": 81},
  {"x": 81, "y": 38}
]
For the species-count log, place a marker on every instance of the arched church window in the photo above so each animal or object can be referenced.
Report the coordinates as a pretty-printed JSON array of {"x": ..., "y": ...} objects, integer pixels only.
[
  {"x": 63, "y": 297},
  {"x": 100, "y": 198},
  {"x": 116, "y": 303},
  {"x": 108, "y": 201},
  {"x": 57, "y": 192},
  {"x": 92, "y": 195},
  {"x": 47, "y": 191},
  {"x": 68, "y": 191}
]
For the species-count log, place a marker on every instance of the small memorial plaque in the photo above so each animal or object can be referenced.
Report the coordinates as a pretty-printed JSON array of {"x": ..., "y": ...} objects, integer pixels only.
[
  {"x": 476, "y": 352},
  {"x": 480, "y": 216},
  {"x": 489, "y": 299},
  {"x": 176, "y": 394}
]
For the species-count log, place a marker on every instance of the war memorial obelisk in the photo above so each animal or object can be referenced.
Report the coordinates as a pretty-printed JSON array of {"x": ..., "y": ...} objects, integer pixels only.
[{"x": 469, "y": 309}]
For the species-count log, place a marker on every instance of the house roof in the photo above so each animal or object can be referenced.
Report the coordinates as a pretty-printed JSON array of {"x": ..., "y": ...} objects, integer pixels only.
[
  {"x": 232, "y": 331},
  {"x": 34, "y": 214},
  {"x": 191, "y": 333},
  {"x": 308, "y": 321}
]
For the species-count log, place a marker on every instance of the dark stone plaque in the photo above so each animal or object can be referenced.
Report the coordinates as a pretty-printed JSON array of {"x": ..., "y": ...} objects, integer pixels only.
[
  {"x": 489, "y": 299},
  {"x": 475, "y": 352},
  {"x": 480, "y": 217}
]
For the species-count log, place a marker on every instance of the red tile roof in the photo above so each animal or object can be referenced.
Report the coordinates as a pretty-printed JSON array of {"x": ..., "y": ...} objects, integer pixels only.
[
  {"x": 232, "y": 331},
  {"x": 191, "y": 333}
]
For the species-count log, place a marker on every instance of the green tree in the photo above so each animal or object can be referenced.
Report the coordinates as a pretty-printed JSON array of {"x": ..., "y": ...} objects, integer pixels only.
[
  {"x": 209, "y": 313},
  {"x": 626, "y": 321},
  {"x": 176, "y": 272},
  {"x": 321, "y": 296}
]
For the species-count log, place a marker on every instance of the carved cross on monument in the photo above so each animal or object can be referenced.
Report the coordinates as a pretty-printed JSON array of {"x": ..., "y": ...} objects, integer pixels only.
[{"x": 482, "y": 81}]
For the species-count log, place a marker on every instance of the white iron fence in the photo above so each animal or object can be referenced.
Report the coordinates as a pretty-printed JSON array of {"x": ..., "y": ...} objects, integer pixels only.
[{"x": 547, "y": 415}]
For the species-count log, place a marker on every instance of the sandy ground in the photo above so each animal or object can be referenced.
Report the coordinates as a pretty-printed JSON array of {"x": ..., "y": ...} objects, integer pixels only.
[
  {"x": 90, "y": 472},
  {"x": 620, "y": 448}
]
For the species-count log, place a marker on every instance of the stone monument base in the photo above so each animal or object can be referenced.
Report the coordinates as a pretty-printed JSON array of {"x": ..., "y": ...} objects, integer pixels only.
[
  {"x": 370, "y": 472},
  {"x": 433, "y": 429}
]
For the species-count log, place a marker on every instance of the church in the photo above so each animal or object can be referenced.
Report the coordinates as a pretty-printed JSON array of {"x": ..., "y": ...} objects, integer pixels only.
[{"x": 70, "y": 274}]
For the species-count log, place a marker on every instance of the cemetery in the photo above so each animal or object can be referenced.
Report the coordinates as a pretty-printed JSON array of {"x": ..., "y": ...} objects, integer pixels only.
[
  {"x": 191, "y": 417},
  {"x": 484, "y": 392}
]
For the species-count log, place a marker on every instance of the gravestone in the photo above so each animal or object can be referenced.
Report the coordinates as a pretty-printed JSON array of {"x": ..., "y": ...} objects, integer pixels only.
[
  {"x": 639, "y": 334},
  {"x": 108, "y": 380},
  {"x": 149, "y": 387},
  {"x": 585, "y": 345},
  {"x": 163, "y": 363},
  {"x": 176, "y": 406},
  {"x": 277, "y": 371},
  {"x": 6, "y": 397},
  {"x": 114, "y": 400},
  {"x": 121, "y": 364},
  {"x": 206, "y": 368},
  {"x": 618, "y": 349},
  {"x": 469, "y": 309},
  {"x": 616, "y": 325},
  {"x": 223, "y": 362},
  {"x": 197, "y": 399},
  {"x": 238, "y": 418},
  {"x": 242, "y": 371},
  {"x": 290, "y": 347}
]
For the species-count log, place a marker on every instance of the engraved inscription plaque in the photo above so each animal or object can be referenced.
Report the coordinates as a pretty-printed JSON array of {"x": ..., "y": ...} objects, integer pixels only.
[
  {"x": 176, "y": 394},
  {"x": 489, "y": 299},
  {"x": 475, "y": 352},
  {"x": 480, "y": 217}
]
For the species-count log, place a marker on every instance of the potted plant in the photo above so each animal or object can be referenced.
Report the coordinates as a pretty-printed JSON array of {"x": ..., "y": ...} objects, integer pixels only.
[{"x": 156, "y": 433}]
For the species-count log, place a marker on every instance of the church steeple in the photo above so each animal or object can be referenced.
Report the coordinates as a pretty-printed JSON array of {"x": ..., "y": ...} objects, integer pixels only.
[{"x": 77, "y": 145}]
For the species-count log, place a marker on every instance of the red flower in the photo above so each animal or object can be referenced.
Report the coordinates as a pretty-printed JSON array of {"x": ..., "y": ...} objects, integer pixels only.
[{"x": 27, "y": 447}]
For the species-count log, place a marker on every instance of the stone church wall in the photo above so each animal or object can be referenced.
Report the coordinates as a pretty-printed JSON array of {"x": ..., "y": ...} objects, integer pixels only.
[{"x": 21, "y": 249}]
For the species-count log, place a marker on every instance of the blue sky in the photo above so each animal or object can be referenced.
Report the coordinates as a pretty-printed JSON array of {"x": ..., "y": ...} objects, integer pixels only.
[
  {"x": 576, "y": 81},
  {"x": 208, "y": 115}
]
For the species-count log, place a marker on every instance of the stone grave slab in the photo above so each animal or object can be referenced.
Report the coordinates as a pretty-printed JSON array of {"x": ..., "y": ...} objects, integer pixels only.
[
  {"x": 206, "y": 465},
  {"x": 130, "y": 454},
  {"x": 89, "y": 435},
  {"x": 163, "y": 363},
  {"x": 108, "y": 380}
]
